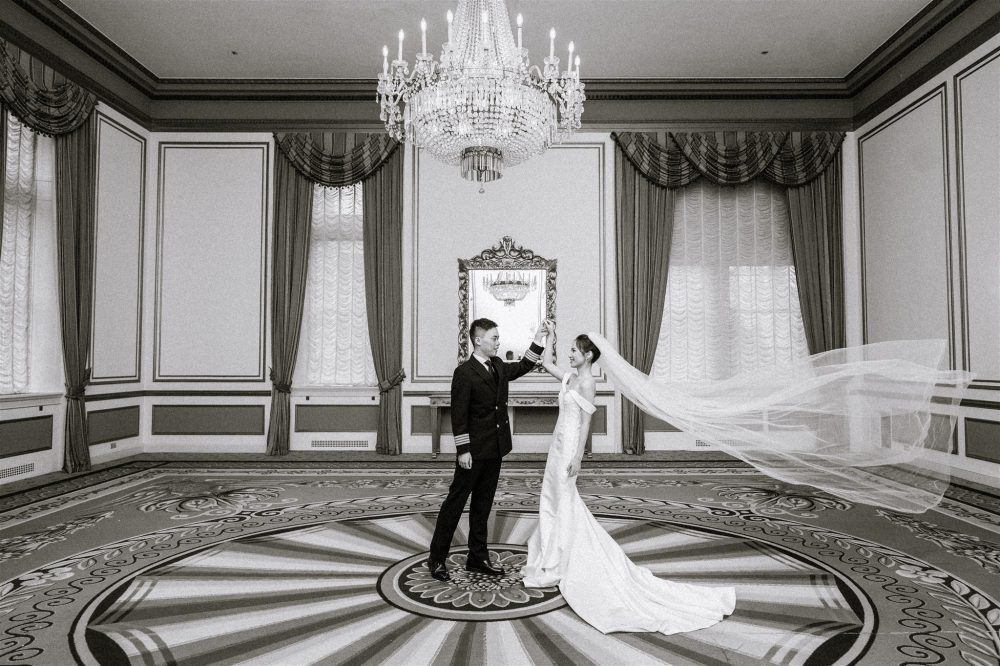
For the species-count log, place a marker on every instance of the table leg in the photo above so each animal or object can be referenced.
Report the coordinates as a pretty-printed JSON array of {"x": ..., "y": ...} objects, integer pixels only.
[{"x": 435, "y": 431}]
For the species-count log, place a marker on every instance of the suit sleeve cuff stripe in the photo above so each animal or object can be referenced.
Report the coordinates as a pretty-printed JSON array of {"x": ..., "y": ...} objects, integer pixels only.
[
  {"x": 461, "y": 439},
  {"x": 531, "y": 356}
]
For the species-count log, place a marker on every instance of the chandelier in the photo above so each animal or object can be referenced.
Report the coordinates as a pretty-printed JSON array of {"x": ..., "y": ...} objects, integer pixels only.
[
  {"x": 481, "y": 106},
  {"x": 510, "y": 287}
]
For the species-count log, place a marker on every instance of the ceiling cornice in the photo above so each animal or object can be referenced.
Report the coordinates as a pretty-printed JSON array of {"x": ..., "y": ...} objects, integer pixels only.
[
  {"x": 94, "y": 43},
  {"x": 916, "y": 31},
  {"x": 193, "y": 104}
]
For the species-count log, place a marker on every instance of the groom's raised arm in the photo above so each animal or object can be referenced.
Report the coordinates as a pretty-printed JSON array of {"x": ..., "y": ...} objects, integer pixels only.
[
  {"x": 461, "y": 393},
  {"x": 527, "y": 362}
]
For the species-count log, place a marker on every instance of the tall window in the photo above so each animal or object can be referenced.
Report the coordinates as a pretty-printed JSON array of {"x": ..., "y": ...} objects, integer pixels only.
[
  {"x": 15, "y": 257},
  {"x": 336, "y": 348},
  {"x": 732, "y": 305}
]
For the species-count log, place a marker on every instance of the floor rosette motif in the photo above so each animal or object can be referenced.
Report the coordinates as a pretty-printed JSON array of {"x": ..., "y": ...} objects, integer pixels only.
[
  {"x": 467, "y": 595},
  {"x": 297, "y": 574}
]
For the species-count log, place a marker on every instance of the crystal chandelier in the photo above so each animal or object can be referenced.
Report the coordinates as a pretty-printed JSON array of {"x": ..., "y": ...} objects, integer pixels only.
[
  {"x": 482, "y": 106},
  {"x": 510, "y": 287}
]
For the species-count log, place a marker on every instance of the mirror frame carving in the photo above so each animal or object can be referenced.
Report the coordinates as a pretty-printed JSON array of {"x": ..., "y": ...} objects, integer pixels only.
[{"x": 506, "y": 255}]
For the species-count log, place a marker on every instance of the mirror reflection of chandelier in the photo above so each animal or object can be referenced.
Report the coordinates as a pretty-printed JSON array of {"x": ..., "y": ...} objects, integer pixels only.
[
  {"x": 510, "y": 287},
  {"x": 482, "y": 106}
]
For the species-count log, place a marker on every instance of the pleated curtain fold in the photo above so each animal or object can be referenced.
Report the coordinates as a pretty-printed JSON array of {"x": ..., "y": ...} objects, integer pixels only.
[
  {"x": 649, "y": 165},
  {"x": 3, "y": 165},
  {"x": 643, "y": 224},
  {"x": 41, "y": 97},
  {"x": 383, "y": 247},
  {"x": 338, "y": 159},
  {"x": 815, "y": 212},
  {"x": 75, "y": 211},
  {"x": 289, "y": 274},
  {"x": 48, "y": 103}
]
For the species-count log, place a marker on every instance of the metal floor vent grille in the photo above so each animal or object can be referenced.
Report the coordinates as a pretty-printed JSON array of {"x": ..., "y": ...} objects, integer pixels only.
[
  {"x": 17, "y": 470},
  {"x": 731, "y": 442},
  {"x": 339, "y": 444}
]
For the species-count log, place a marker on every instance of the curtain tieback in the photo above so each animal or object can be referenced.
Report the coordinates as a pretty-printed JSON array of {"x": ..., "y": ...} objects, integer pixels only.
[
  {"x": 387, "y": 385},
  {"x": 279, "y": 386},
  {"x": 78, "y": 391}
]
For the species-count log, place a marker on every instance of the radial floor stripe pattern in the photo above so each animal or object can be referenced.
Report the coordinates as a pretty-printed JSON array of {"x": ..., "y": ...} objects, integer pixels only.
[{"x": 286, "y": 566}]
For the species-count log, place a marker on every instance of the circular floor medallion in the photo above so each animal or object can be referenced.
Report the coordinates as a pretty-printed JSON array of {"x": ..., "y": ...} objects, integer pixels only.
[
  {"x": 337, "y": 589},
  {"x": 408, "y": 585}
]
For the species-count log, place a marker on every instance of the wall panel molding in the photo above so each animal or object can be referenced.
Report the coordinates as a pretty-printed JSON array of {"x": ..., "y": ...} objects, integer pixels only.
[
  {"x": 27, "y": 435},
  {"x": 935, "y": 96},
  {"x": 258, "y": 157},
  {"x": 959, "y": 87},
  {"x": 448, "y": 329},
  {"x": 208, "y": 420},
  {"x": 107, "y": 124},
  {"x": 110, "y": 425}
]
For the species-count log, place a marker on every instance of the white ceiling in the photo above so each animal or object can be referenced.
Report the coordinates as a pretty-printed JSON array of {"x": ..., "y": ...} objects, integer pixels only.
[{"x": 615, "y": 38}]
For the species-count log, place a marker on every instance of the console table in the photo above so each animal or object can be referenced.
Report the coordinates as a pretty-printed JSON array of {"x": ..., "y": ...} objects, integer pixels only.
[{"x": 439, "y": 400}]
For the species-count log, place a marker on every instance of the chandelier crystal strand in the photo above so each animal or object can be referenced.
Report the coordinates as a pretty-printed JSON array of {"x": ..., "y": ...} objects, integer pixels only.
[
  {"x": 482, "y": 105},
  {"x": 510, "y": 287}
]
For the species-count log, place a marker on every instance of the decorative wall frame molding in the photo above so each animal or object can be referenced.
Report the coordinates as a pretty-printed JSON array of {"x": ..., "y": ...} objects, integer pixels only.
[
  {"x": 938, "y": 94},
  {"x": 103, "y": 120}
]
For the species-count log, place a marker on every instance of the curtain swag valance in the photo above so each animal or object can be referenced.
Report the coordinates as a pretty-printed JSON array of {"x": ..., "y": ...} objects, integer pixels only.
[
  {"x": 40, "y": 97},
  {"x": 336, "y": 159},
  {"x": 674, "y": 160}
]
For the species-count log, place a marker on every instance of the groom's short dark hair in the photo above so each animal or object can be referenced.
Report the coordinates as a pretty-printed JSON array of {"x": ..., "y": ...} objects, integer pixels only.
[{"x": 480, "y": 326}]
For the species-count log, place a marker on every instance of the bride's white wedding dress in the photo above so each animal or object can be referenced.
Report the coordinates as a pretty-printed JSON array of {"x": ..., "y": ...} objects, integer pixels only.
[{"x": 571, "y": 549}]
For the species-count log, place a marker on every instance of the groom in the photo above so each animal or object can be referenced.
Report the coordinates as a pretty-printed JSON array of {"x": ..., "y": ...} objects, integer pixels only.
[{"x": 482, "y": 438}]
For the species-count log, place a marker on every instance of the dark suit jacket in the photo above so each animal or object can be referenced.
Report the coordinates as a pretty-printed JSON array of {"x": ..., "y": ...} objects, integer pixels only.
[{"x": 479, "y": 404}]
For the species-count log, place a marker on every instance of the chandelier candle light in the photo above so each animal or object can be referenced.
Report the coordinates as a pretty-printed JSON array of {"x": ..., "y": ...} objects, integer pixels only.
[
  {"x": 482, "y": 106},
  {"x": 510, "y": 287}
]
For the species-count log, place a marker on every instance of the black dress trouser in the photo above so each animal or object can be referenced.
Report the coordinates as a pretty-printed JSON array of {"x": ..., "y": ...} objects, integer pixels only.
[{"x": 481, "y": 482}]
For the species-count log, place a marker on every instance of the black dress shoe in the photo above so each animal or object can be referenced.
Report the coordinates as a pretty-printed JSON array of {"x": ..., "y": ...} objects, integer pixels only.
[
  {"x": 483, "y": 567},
  {"x": 438, "y": 570}
]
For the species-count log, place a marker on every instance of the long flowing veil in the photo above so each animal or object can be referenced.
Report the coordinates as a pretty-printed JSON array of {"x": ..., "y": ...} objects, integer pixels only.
[{"x": 867, "y": 423}]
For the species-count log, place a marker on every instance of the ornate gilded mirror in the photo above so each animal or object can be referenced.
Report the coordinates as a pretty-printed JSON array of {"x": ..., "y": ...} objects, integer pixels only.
[{"x": 511, "y": 285}]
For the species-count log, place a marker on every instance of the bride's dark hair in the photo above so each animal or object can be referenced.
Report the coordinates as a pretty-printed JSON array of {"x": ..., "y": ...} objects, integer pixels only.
[{"x": 584, "y": 344}]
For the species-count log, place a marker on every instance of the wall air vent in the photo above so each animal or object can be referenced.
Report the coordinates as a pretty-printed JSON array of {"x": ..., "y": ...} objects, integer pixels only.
[
  {"x": 730, "y": 442},
  {"x": 17, "y": 470},
  {"x": 339, "y": 444}
]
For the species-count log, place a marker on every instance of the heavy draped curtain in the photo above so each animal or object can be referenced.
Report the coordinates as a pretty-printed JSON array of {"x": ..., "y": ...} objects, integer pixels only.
[
  {"x": 289, "y": 260},
  {"x": 665, "y": 161},
  {"x": 50, "y": 104},
  {"x": 338, "y": 159},
  {"x": 3, "y": 165},
  {"x": 643, "y": 225}
]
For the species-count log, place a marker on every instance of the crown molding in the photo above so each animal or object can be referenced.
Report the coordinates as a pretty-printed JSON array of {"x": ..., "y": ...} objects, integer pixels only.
[
  {"x": 941, "y": 33},
  {"x": 362, "y": 90},
  {"x": 915, "y": 32},
  {"x": 74, "y": 28}
]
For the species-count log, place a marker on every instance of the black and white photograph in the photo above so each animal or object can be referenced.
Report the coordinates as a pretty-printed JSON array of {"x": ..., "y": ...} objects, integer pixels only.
[{"x": 499, "y": 332}]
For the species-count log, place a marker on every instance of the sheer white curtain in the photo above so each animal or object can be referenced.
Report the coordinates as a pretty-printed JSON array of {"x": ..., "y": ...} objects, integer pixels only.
[
  {"x": 15, "y": 257},
  {"x": 336, "y": 346},
  {"x": 732, "y": 304}
]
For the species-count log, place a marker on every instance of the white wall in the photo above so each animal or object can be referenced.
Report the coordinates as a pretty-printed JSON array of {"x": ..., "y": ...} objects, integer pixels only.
[
  {"x": 121, "y": 186},
  {"x": 207, "y": 289},
  {"x": 118, "y": 342},
  {"x": 210, "y": 270},
  {"x": 560, "y": 205},
  {"x": 928, "y": 175}
]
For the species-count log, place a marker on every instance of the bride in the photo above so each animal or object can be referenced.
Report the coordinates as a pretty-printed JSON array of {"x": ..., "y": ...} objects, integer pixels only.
[{"x": 570, "y": 549}]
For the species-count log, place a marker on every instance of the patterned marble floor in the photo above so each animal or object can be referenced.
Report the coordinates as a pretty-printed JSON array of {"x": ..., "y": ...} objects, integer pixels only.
[{"x": 228, "y": 563}]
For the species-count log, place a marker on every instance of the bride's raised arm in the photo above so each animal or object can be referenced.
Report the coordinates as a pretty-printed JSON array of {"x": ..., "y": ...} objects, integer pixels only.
[{"x": 548, "y": 354}]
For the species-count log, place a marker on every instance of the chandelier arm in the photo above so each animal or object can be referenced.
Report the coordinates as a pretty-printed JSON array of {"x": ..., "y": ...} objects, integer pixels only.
[{"x": 483, "y": 106}]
